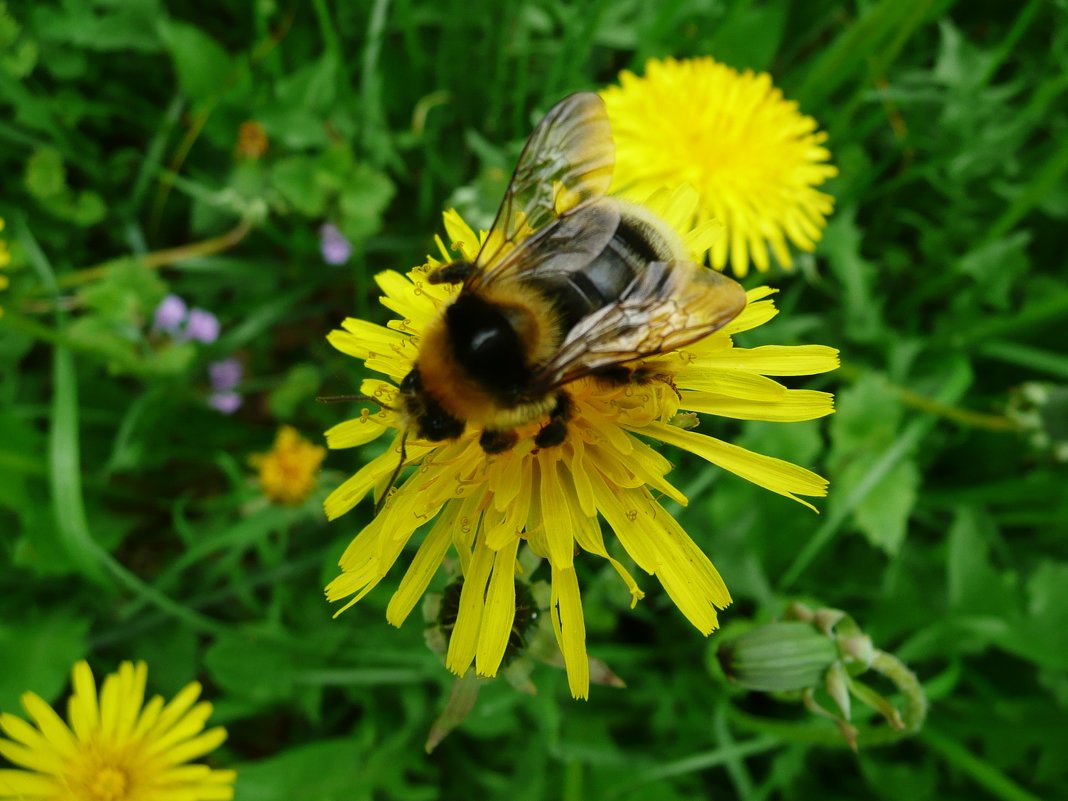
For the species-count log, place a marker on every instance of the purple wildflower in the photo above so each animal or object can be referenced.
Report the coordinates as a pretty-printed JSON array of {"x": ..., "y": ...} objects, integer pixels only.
[
  {"x": 335, "y": 248},
  {"x": 170, "y": 314},
  {"x": 225, "y": 402},
  {"x": 203, "y": 326},
  {"x": 225, "y": 374}
]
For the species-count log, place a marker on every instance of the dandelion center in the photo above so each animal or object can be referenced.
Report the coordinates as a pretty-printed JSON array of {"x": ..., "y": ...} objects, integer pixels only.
[{"x": 109, "y": 784}]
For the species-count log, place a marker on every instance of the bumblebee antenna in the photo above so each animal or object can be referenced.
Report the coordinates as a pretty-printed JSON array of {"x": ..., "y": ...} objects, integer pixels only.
[
  {"x": 353, "y": 398},
  {"x": 393, "y": 477}
]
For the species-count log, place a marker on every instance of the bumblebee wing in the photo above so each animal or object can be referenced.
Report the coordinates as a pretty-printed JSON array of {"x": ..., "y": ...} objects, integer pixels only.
[
  {"x": 567, "y": 161},
  {"x": 668, "y": 306},
  {"x": 565, "y": 245}
]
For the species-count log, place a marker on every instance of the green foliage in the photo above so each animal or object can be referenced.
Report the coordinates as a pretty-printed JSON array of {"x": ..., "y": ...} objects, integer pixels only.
[{"x": 148, "y": 149}]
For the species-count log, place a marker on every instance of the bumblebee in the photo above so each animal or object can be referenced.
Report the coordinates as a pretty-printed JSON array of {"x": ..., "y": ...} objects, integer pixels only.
[{"x": 569, "y": 283}]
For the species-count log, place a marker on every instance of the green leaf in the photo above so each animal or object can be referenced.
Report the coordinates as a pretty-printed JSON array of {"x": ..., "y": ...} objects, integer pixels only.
[
  {"x": 101, "y": 26},
  {"x": 884, "y": 513},
  {"x": 894, "y": 780},
  {"x": 295, "y": 180},
  {"x": 201, "y": 63},
  {"x": 996, "y": 266},
  {"x": 21, "y": 456},
  {"x": 974, "y": 586},
  {"x": 841, "y": 244},
  {"x": 293, "y": 127},
  {"x": 39, "y": 652},
  {"x": 1042, "y": 635},
  {"x": 18, "y": 52},
  {"x": 313, "y": 86},
  {"x": 868, "y": 414},
  {"x": 85, "y": 209},
  {"x": 865, "y": 426},
  {"x": 128, "y": 292},
  {"x": 365, "y": 198},
  {"x": 64, "y": 451},
  {"x": 172, "y": 657},
  {"x": 326, "y": 770},
  {"x": 750, "y": 36},
  {"x": 297, "y": 389},
  {"x": 252, "y": 670},
  {"x": 114, "y": 344},
  {"x": 46, "y": 176}
]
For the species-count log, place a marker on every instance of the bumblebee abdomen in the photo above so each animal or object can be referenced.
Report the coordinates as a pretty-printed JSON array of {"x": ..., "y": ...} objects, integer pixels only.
[{"x": 636, "y": 242}]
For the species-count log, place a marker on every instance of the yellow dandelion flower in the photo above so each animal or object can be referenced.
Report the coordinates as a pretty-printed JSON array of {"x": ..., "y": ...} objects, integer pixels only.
[
  {"x": 116, "y": 748},
  {"x": 552, "y": 499},
  {"x": 753, "y": 157},
  {"x": 287, "y": 471}
]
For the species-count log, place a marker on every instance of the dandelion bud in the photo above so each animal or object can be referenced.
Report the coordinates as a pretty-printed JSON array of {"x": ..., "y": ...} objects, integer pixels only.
[
  {"x": 777, "y": 657},
  {"x": 820, "y": 654}
]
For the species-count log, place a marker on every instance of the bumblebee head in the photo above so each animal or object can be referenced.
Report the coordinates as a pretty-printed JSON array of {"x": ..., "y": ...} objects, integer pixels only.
[{"x": 431, "y": 421}]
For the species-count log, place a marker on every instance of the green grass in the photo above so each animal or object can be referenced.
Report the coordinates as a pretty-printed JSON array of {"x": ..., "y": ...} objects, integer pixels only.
[{"x": 130, "y": 523}]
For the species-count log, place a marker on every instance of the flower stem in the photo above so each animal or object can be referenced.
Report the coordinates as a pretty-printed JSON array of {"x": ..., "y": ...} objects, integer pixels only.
[
  {"x": 163, "y": 258},
  {"x": 905, "y": 680},
  {"x": 814, "y": 732},
  {"x": 923, "y": 403},
  {"x": 966, "y": 417}
]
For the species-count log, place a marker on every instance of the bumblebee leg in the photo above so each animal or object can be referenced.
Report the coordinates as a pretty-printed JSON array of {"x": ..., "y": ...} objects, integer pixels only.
[
  {"x": 455, "y": 272},
  {"x": 498, "y": 441},
  {"x": 617, "y": 376},
  {"x": 555, "y": 431}
]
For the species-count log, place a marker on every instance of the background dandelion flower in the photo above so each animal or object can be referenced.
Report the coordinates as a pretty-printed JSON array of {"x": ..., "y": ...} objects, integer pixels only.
[
  {"x": 287, "y": 471},
  {"x": 5, "y": 260},
  {"x": 553, "y": 499},
  {"x": 753, "y": 157},
  {"x": 116, "y": 747}
]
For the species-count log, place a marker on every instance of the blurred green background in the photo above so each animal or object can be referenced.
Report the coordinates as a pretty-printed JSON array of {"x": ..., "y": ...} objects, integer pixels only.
[{"x": 131, "y": 523}]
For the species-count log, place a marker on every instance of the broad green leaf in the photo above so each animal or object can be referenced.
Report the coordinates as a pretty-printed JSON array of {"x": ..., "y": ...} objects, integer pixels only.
[
  {"x": 295, "y": 179},
  {"x": 38, "y": 652},
  {"x": 200, "y": 62},
  {"x": 883, "y": 515},
  {"x": 363, "y": 202},
  {"x": 325, "y": 770}
]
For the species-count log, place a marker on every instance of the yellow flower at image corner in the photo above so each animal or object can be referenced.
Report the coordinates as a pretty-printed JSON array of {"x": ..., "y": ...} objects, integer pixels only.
[
  {"x": 754, "y": 158},
  {"x": 116, "y": 747},
  {"x": 551, "y": 500},
  {"x": 5, "y": 259},
  {"x": 287, "y": 471}
]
